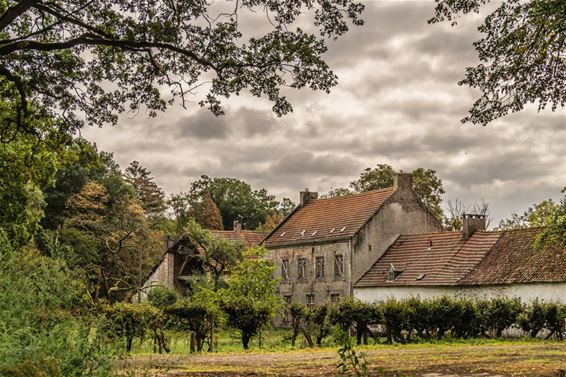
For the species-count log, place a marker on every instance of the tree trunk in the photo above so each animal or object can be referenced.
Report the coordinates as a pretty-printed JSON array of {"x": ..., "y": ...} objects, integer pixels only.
[{"x": 246, "y": 340}]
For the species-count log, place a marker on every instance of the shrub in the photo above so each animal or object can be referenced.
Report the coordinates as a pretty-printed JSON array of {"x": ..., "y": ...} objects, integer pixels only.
[
  {"x": 130, "y": 321},
  {"x": 162, "y": 297},
  {"x": 502, "y": 313},
  {"x": 318, "y": 321},
  {"x": 394, "y": 319},
  {"x": 297, "y": 312}
]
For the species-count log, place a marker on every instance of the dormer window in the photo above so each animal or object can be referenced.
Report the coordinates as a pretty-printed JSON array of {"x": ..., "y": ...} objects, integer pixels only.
[{"x": 393, "y": 274}]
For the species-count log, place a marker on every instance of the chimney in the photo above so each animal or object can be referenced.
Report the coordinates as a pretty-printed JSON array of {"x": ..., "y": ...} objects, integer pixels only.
[
  {"x": 306, "y": 196},
  {"x": 166, "y": 242},
  {"x": 471, "y": 223},
  {"x": 403, "y": 181},
  {"x": 237, "y": 226}
]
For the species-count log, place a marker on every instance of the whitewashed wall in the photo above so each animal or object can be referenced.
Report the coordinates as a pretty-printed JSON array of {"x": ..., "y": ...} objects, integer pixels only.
[
  {"x": 162, "y": 276},
  {"x": 548, "y": 292}
]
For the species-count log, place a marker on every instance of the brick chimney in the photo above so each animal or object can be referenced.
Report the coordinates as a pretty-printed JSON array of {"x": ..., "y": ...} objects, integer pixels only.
[
  {"x": 471, "y": 223},
  {"x": 403, "y": 181},
  {"x": 237, "y": 226},
  {"x": 306, "y": 196}
]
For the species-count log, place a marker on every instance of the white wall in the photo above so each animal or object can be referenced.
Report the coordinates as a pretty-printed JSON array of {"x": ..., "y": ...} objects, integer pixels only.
[
  {"x": 548, "y": 292},
  {"x": 162, "y": 276}
]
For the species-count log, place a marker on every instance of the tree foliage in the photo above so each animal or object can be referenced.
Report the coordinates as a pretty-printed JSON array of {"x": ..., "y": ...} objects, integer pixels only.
[
  {"x": 249, "y": 300},
  {"x": 86, "y": 62},
  {"x": 426, "y": 185},
  {"x": 235, "y": 199},
  {"x": 522, "y": 54},
  {"x": 150, "y": 196},
  {"x": 45, "y": 326}
]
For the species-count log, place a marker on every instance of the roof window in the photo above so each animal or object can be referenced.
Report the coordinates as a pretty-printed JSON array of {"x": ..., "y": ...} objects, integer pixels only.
[
  {"x": 315, "y": 232},
  {"x": 429, "y": 248},
  {"x": 303, "y": 233},
  {"x": 420, "y": 277},
  {"x": 393, "y": 274},
  {"x": 282, "y": 234},
  {"x": 332, "y": 230},
  {"x": 343, "y": 228}
]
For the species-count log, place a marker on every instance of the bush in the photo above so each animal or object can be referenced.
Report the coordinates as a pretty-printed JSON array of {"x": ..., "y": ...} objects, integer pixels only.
[
  {"x": 45, "y": 325},
  {"x": 130, "y": 321},
  {"x": 198, "y": 317},
  {"x": 502, "y": 313},
  {"x": 162, "y": 297}
]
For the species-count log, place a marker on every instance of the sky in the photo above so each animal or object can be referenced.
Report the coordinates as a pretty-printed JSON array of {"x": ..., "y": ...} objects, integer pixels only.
[{"x": 397, "y": 102}]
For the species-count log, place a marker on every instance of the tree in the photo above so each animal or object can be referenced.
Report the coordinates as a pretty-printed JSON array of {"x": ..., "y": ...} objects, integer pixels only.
[
  {"x": 426, "y": 185},
  {"x": 548, "y": 215},
  {"x": 111, "y": 240},
  {"x": 150, "y": 196},
  {"x": 209, "y": 214},
  {"x": 46, "y": 326},
  {"x": 219, "y": 253},
  {"x": 235, "y": 199},
  {"x": 94, "y": 60},
  {"x": 523, "y": 55},
  {"x": 250, "y": 300}
]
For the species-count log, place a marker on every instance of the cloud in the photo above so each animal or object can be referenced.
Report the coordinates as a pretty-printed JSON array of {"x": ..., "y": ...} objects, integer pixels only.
[{"x": 397, "y": 102}]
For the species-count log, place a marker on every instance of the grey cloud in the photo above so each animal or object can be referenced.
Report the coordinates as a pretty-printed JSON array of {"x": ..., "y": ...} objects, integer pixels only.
[
  {"x": 307, "y": 163},
  {"x": 203, "y": 125}
]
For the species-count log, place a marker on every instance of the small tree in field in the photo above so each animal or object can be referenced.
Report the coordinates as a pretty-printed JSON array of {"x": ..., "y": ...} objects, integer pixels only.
[{"x": 250, "y": 300}]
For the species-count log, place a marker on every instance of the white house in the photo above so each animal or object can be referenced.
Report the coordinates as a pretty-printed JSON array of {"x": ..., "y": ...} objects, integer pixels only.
[{"x": 474, "y": 263}]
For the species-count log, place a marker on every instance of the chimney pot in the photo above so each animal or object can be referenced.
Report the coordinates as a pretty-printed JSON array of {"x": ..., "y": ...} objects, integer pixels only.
[
  {"x": 471, "y": 223},
  {"x": 237, "y": 226}
]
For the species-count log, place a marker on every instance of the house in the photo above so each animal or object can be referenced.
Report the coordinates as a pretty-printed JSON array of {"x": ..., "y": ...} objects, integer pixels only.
[
  {"x": 474, "y": 263},
  {"x": 325, "y": 245},
  {"x": 181, "y": 259}
]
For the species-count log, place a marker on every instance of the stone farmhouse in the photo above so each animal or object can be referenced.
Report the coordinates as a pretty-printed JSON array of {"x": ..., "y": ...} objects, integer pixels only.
[
  {"x": 325, "y": 245},
  {"x": 474, "y": 263},
  {"x": 181, "y": 259}
]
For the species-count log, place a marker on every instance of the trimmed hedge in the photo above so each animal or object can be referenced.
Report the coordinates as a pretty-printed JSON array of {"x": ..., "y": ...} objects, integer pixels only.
[{"x": 439, "y": 318}]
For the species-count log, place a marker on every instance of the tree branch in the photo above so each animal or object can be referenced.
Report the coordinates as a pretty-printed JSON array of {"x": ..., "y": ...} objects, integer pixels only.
[{"x": 14, "y": 12}]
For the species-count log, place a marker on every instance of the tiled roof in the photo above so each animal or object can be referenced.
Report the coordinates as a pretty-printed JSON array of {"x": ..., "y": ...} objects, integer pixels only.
[
  {"x": 328, "y": 219},
  {"x": 514, "y": 260},
  {"x": 486, "y": 258},
  {"x": 248, "y": 237}
]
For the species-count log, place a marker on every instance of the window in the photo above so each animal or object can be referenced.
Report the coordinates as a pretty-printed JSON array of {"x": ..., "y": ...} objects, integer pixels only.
[
  {"x": 319, "y": 267},
  {"x": 285, "y": 269},
  {"x": 338, "y": 265},
  {"x": 302, "y": 268},
  {"x": 393, "y": 274},
  {"x": 334, "y": 298},
  {"x": 310, "y": 299}
]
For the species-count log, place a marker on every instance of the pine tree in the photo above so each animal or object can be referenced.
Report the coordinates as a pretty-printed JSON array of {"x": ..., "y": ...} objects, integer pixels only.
[
  {"x": 148, "y": 193},
  {"x": 208, "y": 214}
]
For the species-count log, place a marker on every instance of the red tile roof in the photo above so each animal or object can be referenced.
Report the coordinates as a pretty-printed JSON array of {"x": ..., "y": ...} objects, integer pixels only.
[
  {"x": 248, "y": 237},
  {"x": 514, "y": 260},
  {"x": 486, "y": 258},
  {"x": 330, "y": 219}
]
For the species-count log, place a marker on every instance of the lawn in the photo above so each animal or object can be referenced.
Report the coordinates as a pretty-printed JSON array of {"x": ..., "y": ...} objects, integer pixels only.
[{"x": 456, "y": 358}]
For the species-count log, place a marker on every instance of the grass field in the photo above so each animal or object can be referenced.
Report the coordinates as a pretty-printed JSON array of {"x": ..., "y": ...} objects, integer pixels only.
[{"x": 457, "y": 358}]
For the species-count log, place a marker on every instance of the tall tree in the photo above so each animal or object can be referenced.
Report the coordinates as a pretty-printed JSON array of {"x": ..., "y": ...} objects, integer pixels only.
[
  {"x": 150, "y": 196},
  {"x": 522, "y": 54},
  {"x": 235, "y": 199},
  {"x": 209, "y": 214},
  {"x": 93, "y": 60},
  {"x": 111, "y": 240}
]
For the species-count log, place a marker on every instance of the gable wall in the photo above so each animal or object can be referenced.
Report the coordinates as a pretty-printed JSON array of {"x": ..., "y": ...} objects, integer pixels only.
[
  {"x": 402, "y": 213},
  {"x": 162, "y": 276}
]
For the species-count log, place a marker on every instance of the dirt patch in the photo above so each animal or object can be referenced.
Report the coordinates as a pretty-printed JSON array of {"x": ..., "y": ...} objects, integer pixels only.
[{"x": 533, "y": 360}]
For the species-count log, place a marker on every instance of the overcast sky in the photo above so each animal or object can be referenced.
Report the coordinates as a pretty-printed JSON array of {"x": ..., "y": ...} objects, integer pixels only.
[{"x": 397, "y": 102}]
